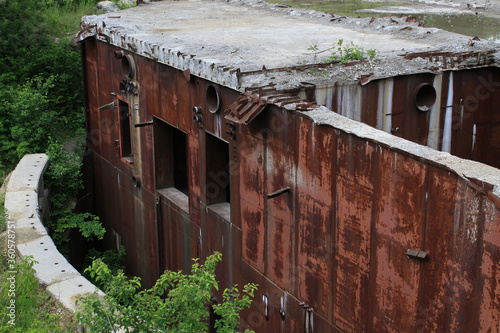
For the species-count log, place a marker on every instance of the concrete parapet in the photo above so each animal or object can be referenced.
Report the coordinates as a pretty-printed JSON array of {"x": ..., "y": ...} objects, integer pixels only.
[{"x": 23, "y": 198}]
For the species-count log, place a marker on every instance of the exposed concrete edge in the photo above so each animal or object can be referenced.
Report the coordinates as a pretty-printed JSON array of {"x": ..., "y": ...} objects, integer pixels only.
[
  {"x": 24, "y": 192},
  {"x": 467, "y": 169}
]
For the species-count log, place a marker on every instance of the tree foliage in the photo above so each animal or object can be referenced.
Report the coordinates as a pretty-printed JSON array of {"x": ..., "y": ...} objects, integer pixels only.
[
  {"x": 176, "y": 303},
  {"x": 41, "y": 101}
]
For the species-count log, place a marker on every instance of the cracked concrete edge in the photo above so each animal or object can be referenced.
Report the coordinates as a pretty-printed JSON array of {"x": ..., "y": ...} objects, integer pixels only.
[{"x": 53, "y": 271}]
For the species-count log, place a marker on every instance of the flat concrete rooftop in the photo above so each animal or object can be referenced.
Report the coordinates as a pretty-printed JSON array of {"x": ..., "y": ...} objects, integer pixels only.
[{"x": 230, "y": 42}]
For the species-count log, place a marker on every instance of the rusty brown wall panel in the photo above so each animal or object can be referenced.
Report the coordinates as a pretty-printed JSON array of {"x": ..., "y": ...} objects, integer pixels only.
[
  {"x": 399, "y": 225},
  {"x": 217, "y": 237},
  {"x": 168, "y": 98},
  {"x": 449, "y": 277},
  {"x": 416, "y": 123},
  {"x": 281, "y": 260},
  {"x": 354, "y": 212},
  {"x": 194, "y": 177},
  {"x": 147, "y": 77},
  {"x": 473, "y": 110},
  {"x": 489, "y": 317},
  {"x": 369, "y": 108},
  {"x": 315, "y": 220},
  {"x": 252, "y": 193},
  {"x": 147, "y": 158},
  {"x": 394, "y": 280},
  {"x": 399, "y": 213},
  {"x": 354, "y": 201},
  {"x": 176, "y": 236},
  {"x": 92, "y": 93}
]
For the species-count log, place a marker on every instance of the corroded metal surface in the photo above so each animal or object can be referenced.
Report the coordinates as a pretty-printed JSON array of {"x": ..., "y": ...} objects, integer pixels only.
[{"x": 321, "y": 210}]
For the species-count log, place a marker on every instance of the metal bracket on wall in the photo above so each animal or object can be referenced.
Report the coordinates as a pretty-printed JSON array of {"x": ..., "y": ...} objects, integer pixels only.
[
  {"x": 149, "y": 123},
  {"x": 107, "y": 106},
  {"x": 417, "y": 254},
  {"x": 278, "y": 192}
]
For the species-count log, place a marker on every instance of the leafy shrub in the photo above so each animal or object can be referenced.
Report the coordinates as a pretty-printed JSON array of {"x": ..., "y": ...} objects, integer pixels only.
[
  {"x": 176, "y": 303},
  {"x": 31, "y": 315},
  {"x": 63, "y": 177}
]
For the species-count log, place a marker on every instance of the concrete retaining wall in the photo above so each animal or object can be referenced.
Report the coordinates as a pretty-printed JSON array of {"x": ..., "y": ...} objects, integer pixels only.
[{"x": 25, "y": 202}]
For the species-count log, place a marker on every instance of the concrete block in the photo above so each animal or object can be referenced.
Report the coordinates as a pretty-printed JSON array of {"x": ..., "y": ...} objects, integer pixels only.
[
  {"x": 28, "y": 229},
  {"x": 52, "y": 266},
  {"x": 67, "y": 291},
  {"x": 28, "y": 172},
  {"x": 21, "y": 204}
]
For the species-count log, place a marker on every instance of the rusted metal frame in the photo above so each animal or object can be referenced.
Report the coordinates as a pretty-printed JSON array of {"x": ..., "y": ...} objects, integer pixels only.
[
  {"x": 448, "y": 58},
  {"x": 283, "y": 69},
  {"x": 148, "y": 123},
  {"x": 278, "y": 192}
]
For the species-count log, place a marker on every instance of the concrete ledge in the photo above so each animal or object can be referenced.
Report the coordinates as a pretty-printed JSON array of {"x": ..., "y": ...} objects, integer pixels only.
[{"x": 22, "y": 201}]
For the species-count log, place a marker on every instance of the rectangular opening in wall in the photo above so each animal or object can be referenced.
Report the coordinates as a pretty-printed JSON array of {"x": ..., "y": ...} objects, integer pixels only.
[
  {"x": 125, "y": 133},
  {"x": 171, "y": 162},
  {"x": 217, "y": 171}
]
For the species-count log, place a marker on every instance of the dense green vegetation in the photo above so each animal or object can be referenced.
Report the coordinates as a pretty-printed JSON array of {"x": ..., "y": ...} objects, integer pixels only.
[
  {"x": 41, "y": 101},
  {"x": 41, "y": 111},
  {"x": 176, "y": 303}
]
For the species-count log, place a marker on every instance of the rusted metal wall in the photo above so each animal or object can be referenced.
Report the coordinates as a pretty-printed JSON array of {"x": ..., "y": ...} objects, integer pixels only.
[
  {"x": 463, "y": 120},
  {"x": 337, "y": 240},
  {"x": 319, "y": 217}
]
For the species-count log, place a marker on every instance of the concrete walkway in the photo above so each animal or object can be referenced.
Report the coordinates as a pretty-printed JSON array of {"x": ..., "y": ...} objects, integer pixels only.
[{"x": 24, "y": 202}]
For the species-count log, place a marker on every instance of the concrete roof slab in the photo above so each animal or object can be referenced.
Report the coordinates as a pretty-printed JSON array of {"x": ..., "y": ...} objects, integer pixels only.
[{"x": 219, "y": 40}]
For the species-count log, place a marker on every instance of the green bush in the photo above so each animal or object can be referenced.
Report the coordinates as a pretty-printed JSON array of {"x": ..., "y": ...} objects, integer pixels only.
[
  {"x": 63, "y": 177},
  {"x": 176, "y": 303},
  {"x": 24, "y": 307}
]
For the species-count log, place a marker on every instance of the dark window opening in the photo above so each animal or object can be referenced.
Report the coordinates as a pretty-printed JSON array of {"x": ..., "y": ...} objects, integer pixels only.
[
  {"x": 217, "y": 171},
  {"x": 171, "y": 159},
  {"x": 125, "y": 134},
  {"x": 213, "y": 317}
]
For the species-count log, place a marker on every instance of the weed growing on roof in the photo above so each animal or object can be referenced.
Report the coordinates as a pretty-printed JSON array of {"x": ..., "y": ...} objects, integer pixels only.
[{"x": 343, "y": 53}]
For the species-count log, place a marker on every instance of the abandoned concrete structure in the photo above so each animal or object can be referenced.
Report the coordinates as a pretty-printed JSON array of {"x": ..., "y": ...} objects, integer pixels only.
[{"x": 212, "y": 127}]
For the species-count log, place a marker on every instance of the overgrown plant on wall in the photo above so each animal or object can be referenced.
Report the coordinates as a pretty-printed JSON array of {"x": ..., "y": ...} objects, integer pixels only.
[{"x": 176, "y": 303}]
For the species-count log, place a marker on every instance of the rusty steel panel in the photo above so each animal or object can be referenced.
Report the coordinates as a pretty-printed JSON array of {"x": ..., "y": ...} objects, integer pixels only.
[
  {"x": 147, "y": 167},
  {"x": 450, "y": 291},
  {"x": 168, "y": 98},
  {"x": 281, "y": 260},
  {"x": 148, "y": 80},
  {"x": 353, "y": 242},
  {"x": 414, "y": 124},
  {"x": 370, "y": 92},
  {"x": 176, "y": 236},
  {"x": 252, "y": 193},
  {"x": 194, "y": 177},
  {"x": 489, "y": 316},
  {"x": 326, "y": 217},
  {"x": 395, "y": 282},
  {"x": 217, "y": 237},
  {"x": 91, "y": 90},
  {"x": 399, "y": 224},
  {"x": 399, "y": 213}
]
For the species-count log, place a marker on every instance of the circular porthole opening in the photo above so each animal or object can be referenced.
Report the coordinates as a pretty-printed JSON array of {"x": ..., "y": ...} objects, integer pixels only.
[
  {"x": 424, "y": 96},
  {"x": 128, "y": 67},
  {"x": 136, "y": 182},
  {"x": 213, "y": 99}
]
